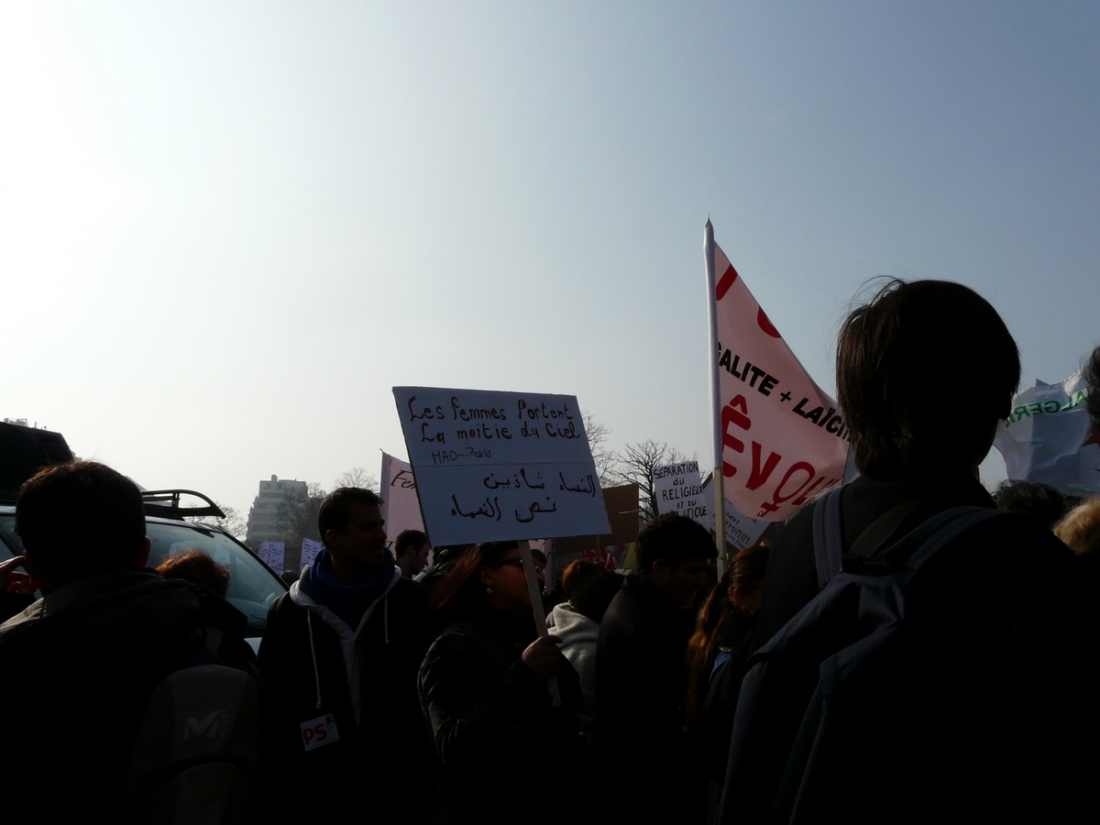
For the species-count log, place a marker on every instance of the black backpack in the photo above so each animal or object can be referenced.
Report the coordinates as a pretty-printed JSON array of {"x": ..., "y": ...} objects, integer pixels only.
[
  {"x": 195, "y": 757},
  {"x": 841, "y": 714}
]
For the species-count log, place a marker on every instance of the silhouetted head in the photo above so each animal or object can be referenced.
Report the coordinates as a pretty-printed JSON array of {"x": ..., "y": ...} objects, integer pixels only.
[
  {"x": 78, "y": 520},
  {"x": 924, "y": 372}
]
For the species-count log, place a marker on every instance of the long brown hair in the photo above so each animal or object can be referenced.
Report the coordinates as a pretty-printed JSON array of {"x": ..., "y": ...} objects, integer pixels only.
[{"x": 746, "y": 573}]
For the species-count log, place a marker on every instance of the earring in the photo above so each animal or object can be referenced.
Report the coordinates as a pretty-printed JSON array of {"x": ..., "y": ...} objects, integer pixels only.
[{"x": 488, "y": 591}]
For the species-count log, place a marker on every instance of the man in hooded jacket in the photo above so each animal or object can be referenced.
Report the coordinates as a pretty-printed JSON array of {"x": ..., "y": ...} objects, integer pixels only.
[{"x": 341, "y": 652}]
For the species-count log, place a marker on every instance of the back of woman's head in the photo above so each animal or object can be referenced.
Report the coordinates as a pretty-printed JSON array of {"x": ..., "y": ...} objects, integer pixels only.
[
  {"x": 198, "y": 568},
  {"x": 899, "y": 351},
  {"x": 748, "y": 567},
  {"x": 589, "y": 588},
  {"x": 703, "y": 644},
  {"x": 460, "y": 591},
  {"x": 1080, "y": 528}
]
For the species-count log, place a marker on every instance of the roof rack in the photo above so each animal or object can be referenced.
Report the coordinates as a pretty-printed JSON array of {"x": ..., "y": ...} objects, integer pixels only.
[{"x": 166, "y": 504}]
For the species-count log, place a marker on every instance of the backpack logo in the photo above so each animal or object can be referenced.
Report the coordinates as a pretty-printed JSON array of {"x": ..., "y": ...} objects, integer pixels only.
[{"x": 212, "y": 727}]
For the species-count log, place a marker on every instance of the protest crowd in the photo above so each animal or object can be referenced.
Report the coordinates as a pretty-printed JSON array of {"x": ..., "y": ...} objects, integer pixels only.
[{"x": 906, "y": 648}]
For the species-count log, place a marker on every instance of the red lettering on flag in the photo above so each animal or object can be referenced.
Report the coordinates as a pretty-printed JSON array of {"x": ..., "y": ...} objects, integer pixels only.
[
  {"x": 766, "y": 325},
  {"x": 726, "y": 281},
  {"x": 758, "y": 476},
  {"x": 730, "y": 415}
]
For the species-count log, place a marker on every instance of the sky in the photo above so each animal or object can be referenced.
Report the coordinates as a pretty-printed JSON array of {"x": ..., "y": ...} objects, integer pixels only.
[{"x": 228, "y": 230}]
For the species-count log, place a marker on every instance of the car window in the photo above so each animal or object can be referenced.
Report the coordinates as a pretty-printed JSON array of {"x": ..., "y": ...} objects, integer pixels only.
[
  {"x": 9, "y": 541},
  {"x": 252, "y": 587}
]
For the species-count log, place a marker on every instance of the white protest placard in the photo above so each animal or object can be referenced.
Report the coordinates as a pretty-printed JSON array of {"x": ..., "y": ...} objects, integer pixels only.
[
  {"x": 310, "y": 549},
  {"x": 496, "y": 466},
  {"x": 679, "y": 490},
  {"x": 400, "y": 503},
  {"x": 740, "y": 530},
  {"x": 272, "y": 554}
]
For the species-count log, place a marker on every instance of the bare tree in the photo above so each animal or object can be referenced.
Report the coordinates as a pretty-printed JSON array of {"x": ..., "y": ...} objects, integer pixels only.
[
  {"x": 357, "y": 477},
  {"x": 232, "y": 523},
  {"x": 296, "y": 519},
  {"x": 635, "y": 463},
  {"x": 598, "y": 435}
]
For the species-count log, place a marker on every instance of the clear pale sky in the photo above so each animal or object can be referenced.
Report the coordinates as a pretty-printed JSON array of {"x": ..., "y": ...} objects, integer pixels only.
[{"x": 228, "y": 229}]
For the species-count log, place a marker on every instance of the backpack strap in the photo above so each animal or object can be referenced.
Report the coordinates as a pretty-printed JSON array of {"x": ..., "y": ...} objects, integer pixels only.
[
  {"x": 828, "y": 537},
  {"x": 927, "y": 539},
  {"x": 913, "y": 549},
  {"x": 879, "y": 531}
]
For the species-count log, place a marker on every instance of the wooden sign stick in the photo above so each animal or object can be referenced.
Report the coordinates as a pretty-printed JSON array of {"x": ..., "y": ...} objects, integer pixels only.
[{"x": 538, "y": 610}]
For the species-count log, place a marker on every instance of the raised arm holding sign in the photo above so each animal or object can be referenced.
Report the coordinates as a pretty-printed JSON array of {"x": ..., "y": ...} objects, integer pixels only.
[{"x": 493, "y": 468}]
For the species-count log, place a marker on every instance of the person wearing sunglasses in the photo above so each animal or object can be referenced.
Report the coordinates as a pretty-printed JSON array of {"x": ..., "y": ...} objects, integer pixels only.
[{"x": 484, "y": 690}]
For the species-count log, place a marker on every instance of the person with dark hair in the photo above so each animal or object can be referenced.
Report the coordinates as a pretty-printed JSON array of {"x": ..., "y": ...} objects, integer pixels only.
[
  {"x": 81, "y": 663},
  {"x": 484, "y": 690},
  {"x": 411, "y": 552},
  {"x": 588, "y": 589},
  {"x": 1040, "y": 501},
  {"x": 1000, "y": 598},
  {"x": 443, "y": 562},
  {"x": 640, "y": 672},
  {"x": 341, "y": 652},
  {"x": 290, "y": 576}
]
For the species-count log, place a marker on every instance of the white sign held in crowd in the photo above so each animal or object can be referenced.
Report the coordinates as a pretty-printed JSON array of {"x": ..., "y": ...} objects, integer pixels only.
[
  {"x": 494, "y": 466},
  {"x": 1047, "y": 438},
  {"x": 679, "y": 489},
  {"x": 272, "y": 553},
  {"x": 779, "y": 439},
  {"x": 742, "y": 531},
  {"x": 310, "y": 549},
  {"x": 400, "y": 504}
]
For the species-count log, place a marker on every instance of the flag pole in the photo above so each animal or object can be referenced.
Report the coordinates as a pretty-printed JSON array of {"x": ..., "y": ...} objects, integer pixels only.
[{"x": 715, "y": 399}]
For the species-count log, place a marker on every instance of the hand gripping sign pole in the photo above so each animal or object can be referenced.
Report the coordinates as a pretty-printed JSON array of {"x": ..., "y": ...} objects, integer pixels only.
[
  {"x": 539, "y": 610},
  {"x": 715, "y": 401}
]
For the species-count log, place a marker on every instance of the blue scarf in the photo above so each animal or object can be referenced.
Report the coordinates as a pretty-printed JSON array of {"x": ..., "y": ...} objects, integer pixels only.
[{"x": 348, "y": 601}]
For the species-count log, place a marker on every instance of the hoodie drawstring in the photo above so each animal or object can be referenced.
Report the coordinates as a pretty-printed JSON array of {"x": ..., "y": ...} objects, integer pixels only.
[
  {"x": 386, "y": 616},
  {"x": 313, "y": 654}
]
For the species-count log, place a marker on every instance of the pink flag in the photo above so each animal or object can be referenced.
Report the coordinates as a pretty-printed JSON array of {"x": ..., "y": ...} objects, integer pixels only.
[
  {"x": 400, "y": 503},
  {"x": 780, "y": 440}
]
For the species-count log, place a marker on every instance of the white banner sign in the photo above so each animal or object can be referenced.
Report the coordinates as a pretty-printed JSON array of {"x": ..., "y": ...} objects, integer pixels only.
[
  {"x": 781, "y": 437},
  {"x": 679, "y": 489},
  {"x": 310, "y": 549},
  {"x": 742, "y": 531},
  {"x": 495, "y": 466},
  {"x": 1047, "y": 438},
  {"x": 400, "y": 505},
  {"x": 272, "y": 554}
]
